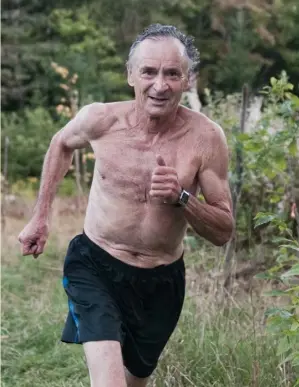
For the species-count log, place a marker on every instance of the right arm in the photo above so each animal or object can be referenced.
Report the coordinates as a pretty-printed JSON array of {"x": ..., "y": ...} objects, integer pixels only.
[{"x": 83, "y": 128}]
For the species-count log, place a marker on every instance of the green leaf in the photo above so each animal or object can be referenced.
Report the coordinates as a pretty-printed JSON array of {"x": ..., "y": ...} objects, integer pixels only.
[
  {"x": 292, "y": 289},
  {"x": 283, "y": 346},
  {"x": 243, "y": 137},
  {"x": 295, "y": 363},
  {"x": 281, "y": 163},
  {"x": 275, "y": 198},
  {"x": 292, "y": 272},
  {"x": 295, "y": 326},
  {"x": 275, "y": 293},
  {"x": 293, "y": 148},
  {"x": 263, "y": 276},
  {"x": 273, "y": 81},
  {"x": 295, "y": 101},
  {"x": 282, "y": 313},
  {"x": 263, "y": 218},
  {"x": 292, "y": 247},
  {"x": 281, "y": 239}
]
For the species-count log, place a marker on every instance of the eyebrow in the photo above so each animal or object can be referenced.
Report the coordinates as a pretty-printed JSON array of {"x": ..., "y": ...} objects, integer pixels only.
[
  {"x": 176, "y": 69},
  {"x": 148, "y": 68},
  {"x": 167, "y": 69}
]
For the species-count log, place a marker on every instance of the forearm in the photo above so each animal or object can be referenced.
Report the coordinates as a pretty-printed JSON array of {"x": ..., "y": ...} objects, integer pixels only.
[
  {"x": 212, "y": 223},
  {"x": 56, "y": 164}
]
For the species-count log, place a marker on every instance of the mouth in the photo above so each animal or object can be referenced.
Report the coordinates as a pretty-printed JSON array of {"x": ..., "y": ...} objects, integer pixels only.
[{"x": 158, "y": 99}]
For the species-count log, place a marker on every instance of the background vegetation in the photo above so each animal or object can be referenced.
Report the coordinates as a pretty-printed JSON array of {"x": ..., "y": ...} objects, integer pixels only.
[{"x": 55, "y": 54}]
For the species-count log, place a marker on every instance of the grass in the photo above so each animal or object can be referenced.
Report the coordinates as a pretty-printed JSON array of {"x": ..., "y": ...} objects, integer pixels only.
[{"x": 212, "y": 345}]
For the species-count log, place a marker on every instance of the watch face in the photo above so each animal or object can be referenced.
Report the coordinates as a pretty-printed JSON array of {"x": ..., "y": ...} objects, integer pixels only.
[{"x": 184, "y": 197}]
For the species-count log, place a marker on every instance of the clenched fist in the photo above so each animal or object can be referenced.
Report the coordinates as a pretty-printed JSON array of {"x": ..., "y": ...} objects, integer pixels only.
[
  {"x": 165, "y": 184},
  {"x": 33, "y": 237}
]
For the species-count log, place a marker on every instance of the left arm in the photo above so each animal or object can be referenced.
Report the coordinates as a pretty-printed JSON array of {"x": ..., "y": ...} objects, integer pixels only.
[{"x": 213, "y": 220}]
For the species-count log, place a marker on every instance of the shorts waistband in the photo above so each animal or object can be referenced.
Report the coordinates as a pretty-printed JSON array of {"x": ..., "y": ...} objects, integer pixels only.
[{"x": 104, "y": 258}]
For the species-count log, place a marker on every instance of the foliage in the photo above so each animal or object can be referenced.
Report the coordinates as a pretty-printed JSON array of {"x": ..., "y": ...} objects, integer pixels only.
[
  {"x": 239, "y": 42},
  {"x": 276, "y": 154},
  {"x": 88, "y": 50},
  {"x": 269, "y": 151},
  {"x": 29, "y": 136},
  {"x": 284, "y": 321}
]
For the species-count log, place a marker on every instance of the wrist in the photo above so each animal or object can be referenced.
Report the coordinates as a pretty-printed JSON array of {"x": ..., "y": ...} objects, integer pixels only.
[
  {"x": 183, "y": 198},
  {"x": 41, "y": 214}
]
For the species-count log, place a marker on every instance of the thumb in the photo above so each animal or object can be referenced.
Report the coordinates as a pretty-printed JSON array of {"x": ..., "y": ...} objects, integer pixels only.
[{"x": 160, "y": 161}]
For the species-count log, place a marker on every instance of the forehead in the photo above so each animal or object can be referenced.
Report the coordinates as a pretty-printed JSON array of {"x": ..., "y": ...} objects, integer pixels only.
[{"x": 161, "y": 51}]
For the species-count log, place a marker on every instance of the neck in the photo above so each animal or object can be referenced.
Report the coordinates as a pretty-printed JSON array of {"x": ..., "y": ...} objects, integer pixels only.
[{"x": 152, "y": 124}]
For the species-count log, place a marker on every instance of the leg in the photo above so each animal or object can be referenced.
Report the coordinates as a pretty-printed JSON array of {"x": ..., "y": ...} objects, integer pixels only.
[
  {"x": 133, "y": 381},
  {"x": 104, "y": 361}
]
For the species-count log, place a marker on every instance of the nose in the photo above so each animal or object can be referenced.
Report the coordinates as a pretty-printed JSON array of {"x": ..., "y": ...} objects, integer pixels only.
[{"x": 160, "y": 85}]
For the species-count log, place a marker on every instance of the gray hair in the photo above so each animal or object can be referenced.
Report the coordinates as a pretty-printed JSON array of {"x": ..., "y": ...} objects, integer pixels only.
[{"x": 156, "y": 31}]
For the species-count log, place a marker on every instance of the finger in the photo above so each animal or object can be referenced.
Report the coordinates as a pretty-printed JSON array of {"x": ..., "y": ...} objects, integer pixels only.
[
  {"x": 164, "y": 171},
  {"x": 40, "y": 248},
  {"x": 29, "y": 249},
  {"x": 159, "y": 187},
  {"x": 162, "y": 179},
  {"x": 34, "y": 251},
  {"x": 160, "y": 161},
  {"x": 160, "y": 193}
]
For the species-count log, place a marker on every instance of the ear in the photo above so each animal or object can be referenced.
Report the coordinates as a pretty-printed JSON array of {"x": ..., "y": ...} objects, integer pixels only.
[
  {"x": 186, "y": 83},
  {"x": 130, "y": 77}
]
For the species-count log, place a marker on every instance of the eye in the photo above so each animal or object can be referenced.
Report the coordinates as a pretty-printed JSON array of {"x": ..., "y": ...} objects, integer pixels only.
[
  {"x": 148, "y": 72},
  {"x": 173, "y": 74}
]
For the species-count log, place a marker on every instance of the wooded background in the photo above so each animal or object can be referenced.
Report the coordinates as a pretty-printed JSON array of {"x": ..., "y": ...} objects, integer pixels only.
[{"x": 239, "y": 41}]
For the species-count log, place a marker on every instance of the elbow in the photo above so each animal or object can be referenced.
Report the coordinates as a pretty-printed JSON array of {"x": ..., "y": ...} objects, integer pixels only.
[
  {"x": 59, "y": 143},
  {"x": 221, "y": 240},
  {"x": 225, "y": 235}
]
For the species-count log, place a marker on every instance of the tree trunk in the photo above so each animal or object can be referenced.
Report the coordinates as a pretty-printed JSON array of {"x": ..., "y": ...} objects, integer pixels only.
[{"x": 236, "y": 192}]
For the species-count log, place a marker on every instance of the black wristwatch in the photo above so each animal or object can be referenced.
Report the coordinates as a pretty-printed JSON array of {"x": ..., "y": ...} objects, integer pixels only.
[{"x": 183, "y": 199}]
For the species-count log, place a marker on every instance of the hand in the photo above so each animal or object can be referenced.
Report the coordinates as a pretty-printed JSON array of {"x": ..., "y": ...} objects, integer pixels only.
[
  {"x": 165, "y": 184},
  {"x": 33, "y": 237}
]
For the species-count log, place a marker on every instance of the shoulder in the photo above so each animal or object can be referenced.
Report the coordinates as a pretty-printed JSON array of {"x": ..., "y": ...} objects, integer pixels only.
[
  {"x": 203, "y": 128},
  {"x": 108, "y": 112},
  {"x": 97, "y": 118},
  {"x": 210, "y": 141}
]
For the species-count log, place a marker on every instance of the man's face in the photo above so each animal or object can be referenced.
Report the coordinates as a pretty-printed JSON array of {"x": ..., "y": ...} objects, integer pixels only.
[{"x": 159, "y": 75}]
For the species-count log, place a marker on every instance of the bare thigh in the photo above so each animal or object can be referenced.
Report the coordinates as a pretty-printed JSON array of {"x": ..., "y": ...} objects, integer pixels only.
[
  {"x": 133, "y": 381},
  {"x": 105, "y": 365}
]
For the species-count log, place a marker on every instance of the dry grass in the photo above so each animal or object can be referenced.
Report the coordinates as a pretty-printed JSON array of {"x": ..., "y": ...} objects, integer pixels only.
[{"x": 220, "y": 341}]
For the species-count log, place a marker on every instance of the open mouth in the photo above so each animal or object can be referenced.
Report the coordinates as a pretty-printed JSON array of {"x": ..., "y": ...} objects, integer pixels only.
[{"x": 158, "y": 99}]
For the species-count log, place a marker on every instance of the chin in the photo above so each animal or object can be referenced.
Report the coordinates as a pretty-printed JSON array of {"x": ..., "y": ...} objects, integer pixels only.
[{"x": 157, "y": 112}]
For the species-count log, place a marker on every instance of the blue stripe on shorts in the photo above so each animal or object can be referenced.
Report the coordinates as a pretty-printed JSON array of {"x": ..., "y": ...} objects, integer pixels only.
[{"x": 65, "y": 283}]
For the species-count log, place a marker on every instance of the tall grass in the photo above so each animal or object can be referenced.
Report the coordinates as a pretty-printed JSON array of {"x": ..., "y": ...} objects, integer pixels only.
[{"x": 212, "y": 345}]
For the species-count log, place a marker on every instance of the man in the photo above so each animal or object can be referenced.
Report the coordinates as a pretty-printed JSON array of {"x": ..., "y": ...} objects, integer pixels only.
[{"x": 124, "y": 275}]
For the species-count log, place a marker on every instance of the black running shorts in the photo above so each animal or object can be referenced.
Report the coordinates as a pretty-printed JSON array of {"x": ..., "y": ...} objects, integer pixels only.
[{"x": 111, "y": 300}]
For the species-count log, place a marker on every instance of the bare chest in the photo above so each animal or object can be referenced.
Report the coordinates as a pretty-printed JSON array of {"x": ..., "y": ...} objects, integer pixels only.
[{"x": 124, "y": 163}]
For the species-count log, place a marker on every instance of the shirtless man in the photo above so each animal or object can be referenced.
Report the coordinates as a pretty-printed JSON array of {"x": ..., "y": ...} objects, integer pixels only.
[{"x": 124, "y": 275}]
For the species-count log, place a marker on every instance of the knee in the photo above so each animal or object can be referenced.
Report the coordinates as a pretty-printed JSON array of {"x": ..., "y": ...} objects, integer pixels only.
[{"x": 133, "y": 381}]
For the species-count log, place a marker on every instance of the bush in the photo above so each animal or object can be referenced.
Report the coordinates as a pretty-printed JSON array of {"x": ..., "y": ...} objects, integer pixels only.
[{"x": 29, "y": 134}]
